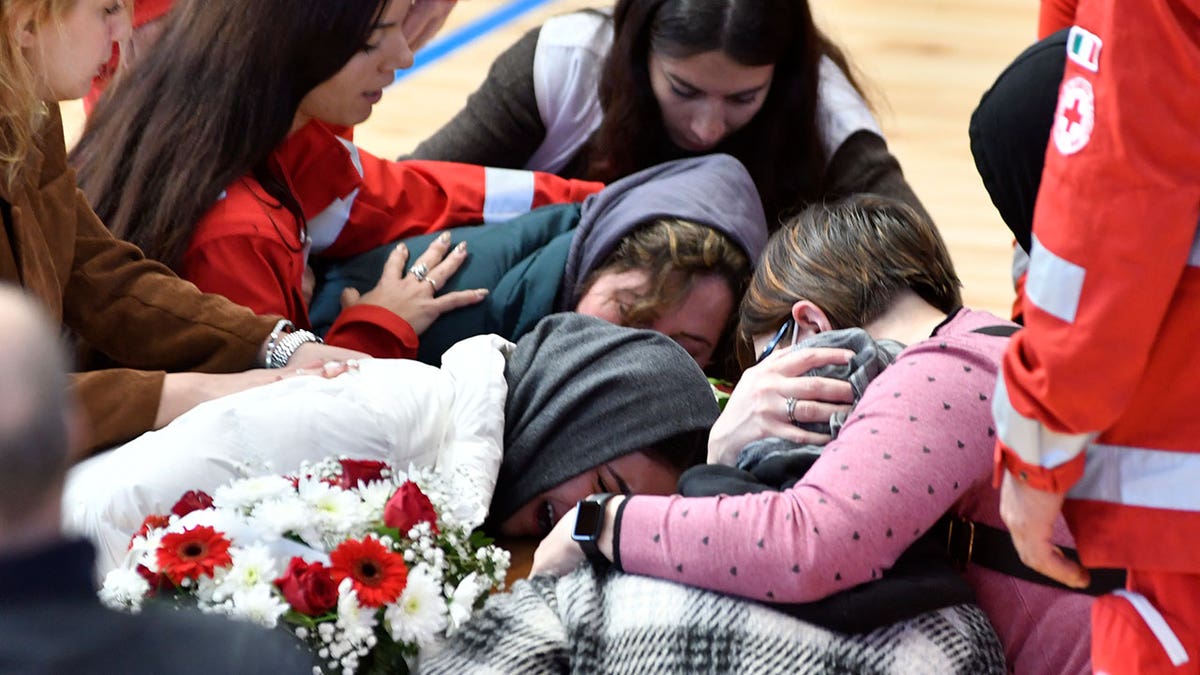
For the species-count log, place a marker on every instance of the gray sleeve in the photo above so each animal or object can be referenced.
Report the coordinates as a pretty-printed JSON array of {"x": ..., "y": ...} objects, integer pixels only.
[
  {"x": 500, "y": 125},
  {"x": 863, "y": 163}
]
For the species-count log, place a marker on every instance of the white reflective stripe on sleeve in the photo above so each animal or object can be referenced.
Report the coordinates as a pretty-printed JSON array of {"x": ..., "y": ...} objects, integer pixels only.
[
  {"x": 355, "y": 158},
  {"x": 325, "y": 227},
  {"x": 508, "y": 194},
  {"x": 1158, "y": 625},
  {"x": 1054, "y": 284},
  {"x": 1154, "y": 479},
  {"x": 1033, "y": 443}
]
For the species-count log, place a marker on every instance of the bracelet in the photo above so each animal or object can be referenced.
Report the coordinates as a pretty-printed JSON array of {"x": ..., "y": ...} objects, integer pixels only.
[
  {"x": 282, "y": 327},
  {"x": 286, "y": 346}
]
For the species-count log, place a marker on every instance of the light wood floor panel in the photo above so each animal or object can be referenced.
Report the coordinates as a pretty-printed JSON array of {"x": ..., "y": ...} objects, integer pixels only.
[{"x": 925, "y": 64}]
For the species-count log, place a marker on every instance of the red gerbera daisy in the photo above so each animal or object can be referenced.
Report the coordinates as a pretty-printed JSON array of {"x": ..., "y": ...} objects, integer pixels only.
[
  {"x": 194, "y": 552},
  {"x": 379, "y": 575}
]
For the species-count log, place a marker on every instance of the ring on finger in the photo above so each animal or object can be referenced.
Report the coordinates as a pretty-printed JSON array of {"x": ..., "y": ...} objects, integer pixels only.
[
  {"x": 791, "y": 410},
  {"x": 419, "y": 271},
  {"x": 433, "y": 283}
]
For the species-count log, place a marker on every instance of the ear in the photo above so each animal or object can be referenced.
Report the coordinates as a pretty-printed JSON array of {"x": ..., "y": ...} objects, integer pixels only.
[
  {"x": 809, "y": 319},
  {"x": 23, "y": 28}
]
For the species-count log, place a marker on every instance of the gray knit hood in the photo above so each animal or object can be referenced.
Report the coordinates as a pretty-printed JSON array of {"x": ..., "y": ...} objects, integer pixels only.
[
  {"x": 582, "y": 392},
  {"x": 712, "y": 190}
]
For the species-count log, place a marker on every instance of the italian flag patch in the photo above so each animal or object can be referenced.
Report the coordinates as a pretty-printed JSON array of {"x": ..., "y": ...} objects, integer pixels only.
[{"x": 1083, "y": 47}]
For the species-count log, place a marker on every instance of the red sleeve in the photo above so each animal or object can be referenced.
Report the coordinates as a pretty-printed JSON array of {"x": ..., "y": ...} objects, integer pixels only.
[
  {"x": 404, "y": 199},
  {"x": 1114, "y": 227},
  {"x": 373, "y": 330},
  {"x": 251, "y": 271},
  {"x": 1055, "y": 15}
]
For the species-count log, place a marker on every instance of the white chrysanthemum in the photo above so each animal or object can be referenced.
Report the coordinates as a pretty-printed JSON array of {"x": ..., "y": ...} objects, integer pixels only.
[
  {"x": 336, "y": 510},
  {"x": 419, "y": 614},
  {"x": 280, "y": 516},
  {"x": 259, "y": 604},
  {"x": 144, "y": 550},
  {"x": 355, "y": 623},
  {"x": 245, "y": 493},
  {"x": 376, "y": 494},
  {"x": 124, "y": 589},
  {"x": 462, "y": 601},
  {"x": 252, "y": 566}
]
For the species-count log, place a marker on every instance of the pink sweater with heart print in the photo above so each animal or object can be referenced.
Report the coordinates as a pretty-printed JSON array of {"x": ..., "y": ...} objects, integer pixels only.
[{"x": 918, "y": 444}]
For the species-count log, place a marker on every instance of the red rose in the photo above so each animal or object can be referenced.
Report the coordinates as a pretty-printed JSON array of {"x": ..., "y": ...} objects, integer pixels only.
[
  {"x": 408, "y": 507},
  {"x": 308, "y": 588},
  {"x": 355, "y": 471},
  {"x": 193, "y": 500}
]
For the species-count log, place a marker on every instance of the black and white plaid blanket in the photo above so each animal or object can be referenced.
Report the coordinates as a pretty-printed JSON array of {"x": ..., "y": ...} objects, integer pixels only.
[{"x": 620, "y": 623}]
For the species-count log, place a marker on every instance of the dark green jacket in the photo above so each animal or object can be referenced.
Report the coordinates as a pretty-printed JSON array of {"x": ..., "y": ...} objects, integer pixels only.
[{"x": 520, "y": 261}]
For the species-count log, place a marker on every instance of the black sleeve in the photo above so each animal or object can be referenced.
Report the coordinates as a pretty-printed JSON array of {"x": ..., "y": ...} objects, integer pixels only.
[
  {"x": 500, "y": 125},
  {"x": 863, "y": 163}
]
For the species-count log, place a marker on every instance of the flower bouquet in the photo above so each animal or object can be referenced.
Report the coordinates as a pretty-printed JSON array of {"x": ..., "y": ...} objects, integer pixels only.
[{"x": 365, "y": 564}]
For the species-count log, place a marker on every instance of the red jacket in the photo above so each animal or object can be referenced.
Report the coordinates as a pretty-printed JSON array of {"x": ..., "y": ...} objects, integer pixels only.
[
  {"x": 251, "y": 250},
  {"x": 1099, "y": 394}
]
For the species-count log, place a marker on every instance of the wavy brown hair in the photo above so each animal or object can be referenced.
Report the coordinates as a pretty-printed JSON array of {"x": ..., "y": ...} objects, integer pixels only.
[
  {"x": 852, "y": 259},
  {"x": 675, "y": 253},
  {"x": 207, "y": 105},
  {"x": 781, "y": 145}
]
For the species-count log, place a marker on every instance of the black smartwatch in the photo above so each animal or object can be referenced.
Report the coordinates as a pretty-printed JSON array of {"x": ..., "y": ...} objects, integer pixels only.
[{"x": 589, "y": 522}]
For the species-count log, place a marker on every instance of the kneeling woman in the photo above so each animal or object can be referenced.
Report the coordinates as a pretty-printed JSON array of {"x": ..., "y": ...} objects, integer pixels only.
[
  {"x": 578, "y": 405},
  {"x": 668, "y": 248},
  {"x": 918, "y": 445}
]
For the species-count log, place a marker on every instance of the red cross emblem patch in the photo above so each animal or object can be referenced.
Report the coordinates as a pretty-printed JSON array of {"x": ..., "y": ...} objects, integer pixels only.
[{"x": 1075, "y": 117}]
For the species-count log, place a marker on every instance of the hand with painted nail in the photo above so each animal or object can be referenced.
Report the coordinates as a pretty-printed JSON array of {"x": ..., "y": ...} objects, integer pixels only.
[{"x": 413, "y": 293}]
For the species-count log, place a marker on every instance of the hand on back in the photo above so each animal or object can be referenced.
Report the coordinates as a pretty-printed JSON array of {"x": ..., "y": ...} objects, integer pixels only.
[
  {"x": 413, "y": 295},
  {"x": 760, "y": 408}
]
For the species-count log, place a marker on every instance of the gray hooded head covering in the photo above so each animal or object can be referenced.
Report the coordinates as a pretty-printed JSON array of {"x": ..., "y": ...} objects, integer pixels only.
[
  {"x": 712, "y": 190},
  {"x": 582, "y": 391}
]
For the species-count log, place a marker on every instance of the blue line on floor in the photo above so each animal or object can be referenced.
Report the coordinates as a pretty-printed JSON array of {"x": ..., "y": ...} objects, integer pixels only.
[{"x": 443, "y": 47}]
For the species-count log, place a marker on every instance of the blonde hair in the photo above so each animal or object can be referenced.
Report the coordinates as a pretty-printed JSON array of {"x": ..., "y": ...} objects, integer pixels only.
[
  {"x": 673, "y": 252},
  {"x": 22, "y": 112}
]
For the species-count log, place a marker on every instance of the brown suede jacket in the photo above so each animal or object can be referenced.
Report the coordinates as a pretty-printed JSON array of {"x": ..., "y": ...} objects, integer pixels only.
[{"x": 135, "y": 311}]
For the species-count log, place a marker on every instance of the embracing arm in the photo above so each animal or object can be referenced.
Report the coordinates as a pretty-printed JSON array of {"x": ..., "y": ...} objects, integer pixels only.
[
  {"x": 912, "y": 449},
  {"x": 500, "y": 124}
]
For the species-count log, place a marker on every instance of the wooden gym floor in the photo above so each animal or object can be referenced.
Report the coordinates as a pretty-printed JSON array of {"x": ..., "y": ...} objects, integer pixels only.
[{"x": 925, "y": 64}]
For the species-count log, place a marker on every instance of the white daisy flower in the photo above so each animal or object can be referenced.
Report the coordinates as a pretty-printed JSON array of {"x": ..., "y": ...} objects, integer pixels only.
[
  {"x": 355, "y": 623},
  {"x": 252, "y": 566},
  {"x": 376, "y": 494},
  {"x": 124, "y": 589},
  {"x": 280, "y": 516},
  {"x": 258, "y": 604},
  {"x": 336, "y": 511},
  {"x": 419, "y": 614},
  {"x": 462, "y": 601},
  {"x": 245, "y": 493}
]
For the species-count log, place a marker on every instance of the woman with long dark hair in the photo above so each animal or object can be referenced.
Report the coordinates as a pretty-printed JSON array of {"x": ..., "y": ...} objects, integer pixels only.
[
  {"x": 237, "y": 188},
  {"x": 601, "y": 96}
]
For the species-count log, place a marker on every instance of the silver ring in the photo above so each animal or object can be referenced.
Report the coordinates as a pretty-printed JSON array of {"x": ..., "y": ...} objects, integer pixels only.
[
  {"x": 791, "y": 410},
  {"x": 433, "y": 283},
  {"x": 419, "y": 271}
]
